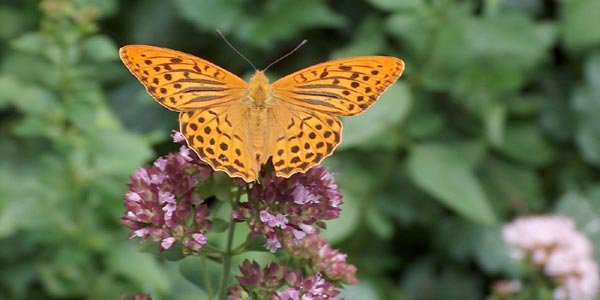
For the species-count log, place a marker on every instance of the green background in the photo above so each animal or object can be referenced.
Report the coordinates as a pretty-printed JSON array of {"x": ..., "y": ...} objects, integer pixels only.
[{"x": 496, "y": 115}]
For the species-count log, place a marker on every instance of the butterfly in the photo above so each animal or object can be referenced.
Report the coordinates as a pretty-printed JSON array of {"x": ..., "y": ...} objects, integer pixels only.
[{"x": 237, "y": 126}]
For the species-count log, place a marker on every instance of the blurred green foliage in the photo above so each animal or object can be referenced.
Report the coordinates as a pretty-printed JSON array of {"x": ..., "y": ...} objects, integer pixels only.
[{"x": 495, "y": 116}]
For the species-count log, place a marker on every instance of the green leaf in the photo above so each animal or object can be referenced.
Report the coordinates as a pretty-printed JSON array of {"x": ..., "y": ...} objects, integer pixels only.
[
  {"x": 104, "y": 7},
  {"x": 579, "y": 19},
  {"x": 261, "y": 256},
  {"x": 64, "y": 272},
  {"x": 363, "y": 290},
  {"x": 526, "y": 143},
  {"x": 201, "y": 271},
  {"x": 423, "y": 277},
  {"x": 492, "y": 253},
  {"x": 29, "y": 99},
  {"x": 581, "y": 207},
  {"x": 139, "y": 267},
  {"x": 424, "y": 123},
  {"x": 495, "y": 122},
  {"x": 27, "y": 68},
  {"x": 119, "y": 152},
  {"x": 586, "y": 107},
  {"x": 584, "y": 209},
  {"x": 32, "y": 43},
  {"x": 364, "y": 41},
  {"x": 500, "y": 50},
  {"x": 512, "y": 186},
  {"x": 343, "y": 227},
  {"x": 457, "y": 238},
  {"x": 418, "y": 274},
  {"x": 560, "y": 126},
  {"x": 415, "y": 28},
  {"x": 212, "y": 14},
  {"x": 219, "y": 225},
  {"x": 508, "y": 35},
  {"x": 403, "y": 201},
  {"x": 449, "y": 178},
  {"x": 394, "y": 5},
  {"x": 16, "y": 278},
  {"x": 355, "y": 179},
  {"x": 42, "y": 192},
  {"x": 175, "y": 253},
  {"x": 13, "y": 21},
  {"x": 100, "y": 48},
  {"x": 483, "y": 57},
  {"x": 388, "y": 112},
  {"x": 281, "y": 20},
  {"x": 379, "y": 223}
]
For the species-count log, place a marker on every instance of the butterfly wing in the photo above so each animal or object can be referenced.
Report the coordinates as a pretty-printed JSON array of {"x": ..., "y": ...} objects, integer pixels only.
[
  {"x": 309, "y": 101},
  {"x": 302, "y": 139},
  {"x": 344, "y": 87},
  {"x": 209, "y": 99},
  {"x": 180, "y": 81},
  {"x": 220, "y": 138}
]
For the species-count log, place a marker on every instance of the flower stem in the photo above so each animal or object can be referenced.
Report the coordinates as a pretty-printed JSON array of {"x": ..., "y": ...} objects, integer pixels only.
[
  {"x": 228, "y": 253},
  {"x": 226, "y": 262},
  {"x": 206, "y": 277}
]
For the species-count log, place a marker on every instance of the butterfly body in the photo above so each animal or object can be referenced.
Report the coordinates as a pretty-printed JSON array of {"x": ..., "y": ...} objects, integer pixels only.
[
  {"x": 237, "y": 127},
  {"x": 259, "y": 91},
  {"x": 259, "y": 108}
]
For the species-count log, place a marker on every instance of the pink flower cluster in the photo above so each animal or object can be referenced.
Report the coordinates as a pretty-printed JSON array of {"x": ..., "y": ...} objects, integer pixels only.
[
  {"x": 276, "y": 282},
  {"x": 161, "y": 204},
  {"x": 553, "y": 244},
  {"x": 296, "y": 206},
  {"x": 315, "y": 252},
  {"x": 137, "y": 296}
]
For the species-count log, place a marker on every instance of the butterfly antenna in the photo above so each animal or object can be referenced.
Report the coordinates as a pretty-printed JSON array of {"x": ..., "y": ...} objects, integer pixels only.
[
  {"x": 286, "y": 55},
  {"x": 234, "y": 49}
]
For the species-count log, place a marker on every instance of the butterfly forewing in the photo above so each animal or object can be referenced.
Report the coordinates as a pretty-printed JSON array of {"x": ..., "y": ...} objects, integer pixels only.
[
  {"x": 342, "y": 87},
  {"x": 181, "y": 81}
]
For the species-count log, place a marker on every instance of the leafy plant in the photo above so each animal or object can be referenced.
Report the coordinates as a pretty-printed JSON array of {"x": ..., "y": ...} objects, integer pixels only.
[{"x": 493, "y": 118}]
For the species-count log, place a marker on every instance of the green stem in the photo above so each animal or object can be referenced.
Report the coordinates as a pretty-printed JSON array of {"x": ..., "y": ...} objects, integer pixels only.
[
  {"x": 214, "y": 251},
  {"x": 226, "y": 262},
  {"x": 207, "y": 284},
  {"x": 241, "y": 248},
  {"x": 228, "y": 253}
]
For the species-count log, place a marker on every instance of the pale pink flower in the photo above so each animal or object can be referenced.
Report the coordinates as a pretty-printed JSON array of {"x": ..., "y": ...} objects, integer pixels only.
[{"x": 553, "y": 244}]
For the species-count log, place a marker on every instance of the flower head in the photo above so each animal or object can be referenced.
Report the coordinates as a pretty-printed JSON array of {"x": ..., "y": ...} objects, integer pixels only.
[
  {"x": 315, "y": 252},
  {"x": 553, "y": 244},
  {"x": 277, "y": 282},
  {"x": 290, "y": 207},
  {"x": 137, "y": 296},
  {"x": 161, "y": 204}
]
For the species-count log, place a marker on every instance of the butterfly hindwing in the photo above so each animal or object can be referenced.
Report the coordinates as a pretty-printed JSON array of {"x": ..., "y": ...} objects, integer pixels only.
[
  {"x": 218, "y": 136},
  {"x": 306, "y": 138}
]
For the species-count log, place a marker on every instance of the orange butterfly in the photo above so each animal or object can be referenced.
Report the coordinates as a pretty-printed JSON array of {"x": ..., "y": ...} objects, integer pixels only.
[{"x": 236, "y": 126}]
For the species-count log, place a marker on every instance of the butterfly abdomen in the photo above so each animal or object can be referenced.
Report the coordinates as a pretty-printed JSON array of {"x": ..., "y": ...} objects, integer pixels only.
[{"x": 258, "y": 98}]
